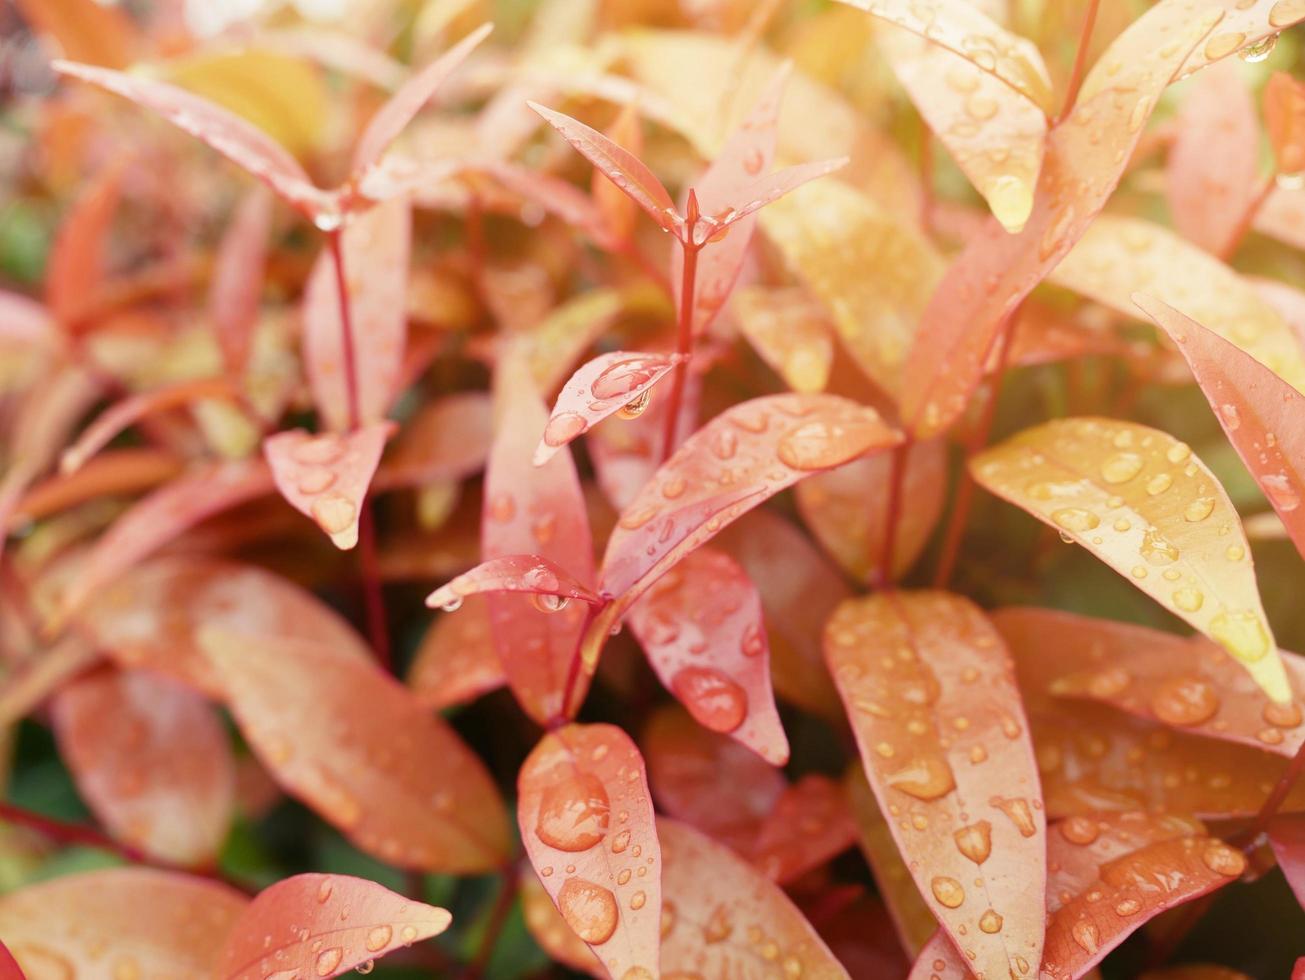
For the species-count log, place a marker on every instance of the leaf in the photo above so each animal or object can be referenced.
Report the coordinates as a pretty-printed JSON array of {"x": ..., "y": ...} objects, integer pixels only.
[
  {"x": 111, "y": 473},
  {"x": 846, "y": 508},
  {"x": 615, "y": 210},
  {"x": 1113, "y": 873},
  {"x": 448, "y": 439},
  {"x": 9, "y": 968},
  {"x": 620, "y": 166},
  {"x": 1259, "y": 411},
  {"x": 1087, "y": 151},
  {"x": 29, "y": 680},
  {"x": 239, "y": 141},
  {"x": 1284, "y": 118},
  {"x": 1212, "y": 167},
  {"x": 238, "y": 271},
  {"x": 619, "y": 383},
  {"x": 810, "y": 825},
  {"x": 385, "y": 126},
  {"x": 1287, "y": 837},
  {"x": 1118, "y": 257},
  {"x": 75, "y": 269},
  {"x": 701, "y": 626},
  {"x": 694, "y": 771},
  {"x": 456, "y": 661},
  {"x": 995, "y": 133},
  {"x": 1141, "y": 502},
  {"x": 152, "y": 760},
  {"x": 160, "y": 923},
  {"x": 528, "y": 574},
  {"x": 1240, "y": 28},
  {"x": 375, "y": 248},
  {"x": 724, "y": 919},
  {"x": 550, "y": 930},
  {"x": 1280, "y": 216},
  {"x": 156, "y": 519},
  {"x": 326, "y": 476},
  {"x": 941, "y": 757},
  {"x": 587, "y": 824},
  {"x": 85, "y": 30},
  {"x": 323, "y": 925},
  {"x": 397, "y": 781},
  {"x": 874, "y": 273},
  {"x": 791, "y": 333},
  {"x": 965, "y": 30},
  {"x": 1188, "y": 683}
]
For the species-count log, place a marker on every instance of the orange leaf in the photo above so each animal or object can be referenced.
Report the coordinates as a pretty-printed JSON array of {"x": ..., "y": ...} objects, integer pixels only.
[
  {"x": 723, "y": 918},
  {"x": 157, "y": 923},
  {"x": 1138, "y": 499},
  {"x": 810, "y": 824},
  {"x": 955, "y": 775},
  {"x": 1284, "y": 118},
  {"x": 616, "y": 210},
  {"x": 238, "y": 271},
  {"x": 397, "y": 781},
  {"x": 791, "y": 333},
  {"x": 76, "y": 265},
  {"x": 28, "y": 681},
  {"x": 323, "y": 925},
  {"x": 456, "y": 661},
  {"x": 326, "y": 477},
  {"x": 86, "y": 30},
  {"x": 549, "y": 585},
  {"x": 587, "y": 824},
  {"x": 374, "y": 248},
  {"x": 1259, "y": 411},
  {"x": 700, "y": 625},
  {"x": 111, "y": 473},
  {"x": 152, "y": 760}
]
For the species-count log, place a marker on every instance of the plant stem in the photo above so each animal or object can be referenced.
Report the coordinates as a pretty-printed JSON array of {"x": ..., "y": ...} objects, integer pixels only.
[
  {"x": 507, "y": 895},
  {"x": 1273, "y": 802},
  {"x": 882, "y": 577},
  {"x": 373, "y": 600},
  {"x": 684, "y": 331},
  {"x": 1080, "y": 60}
]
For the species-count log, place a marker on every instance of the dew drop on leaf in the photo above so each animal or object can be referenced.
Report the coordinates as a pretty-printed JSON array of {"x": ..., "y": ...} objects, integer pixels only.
[
  {"x": 590, "y": 910},
  {"x": 573, "y": 815}
]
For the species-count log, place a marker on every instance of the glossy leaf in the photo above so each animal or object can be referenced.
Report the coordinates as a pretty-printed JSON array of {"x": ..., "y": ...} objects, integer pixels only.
[
  {"x": 456, "y": 661},
  {"x": 587, "y": 824},
  {"x": 323, "y": 925},
  {"x": 396, "y": 780},
  {"x": 238, "y": 270},
  {"x": 1284, "y": 118},
  {"x": 616, "y": 211},
  {"x": 619, "y": 383},
  {"x": 153, "y": 761},
  {"x": 375, "y": 249},
  {"x": 1287, "y": 837},
  {"x": 954, "y": 772},
  {"x": 721, "y": 917},
  {"x": 701, "y": 626},
  {"x": 1140, "y": 501},
  {"x": 527, "y": 574},
  {"x": 326, "y": 476},
  {"x": 1243, "y": 28},
  {"x": 1118, "y": 257},
  {"x": 1259, "y": 411},
  {"x": 158, "y": 923}
]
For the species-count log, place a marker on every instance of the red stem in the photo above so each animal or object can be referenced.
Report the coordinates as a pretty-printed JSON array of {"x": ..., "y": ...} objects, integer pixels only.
[
  {"x": 684, "y": 332},
  {"x": 369, "y": 568},
  {"x": 1275, "y": 799},
  {"x": 883, "y": 573},
  {"x": 1080, "y": 60}
]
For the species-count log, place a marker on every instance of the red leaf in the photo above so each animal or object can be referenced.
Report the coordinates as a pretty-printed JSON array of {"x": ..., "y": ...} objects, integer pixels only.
[
  {"x": 239, "y": 141},
  {"x": 610, "y": 384},
  {"x": 323, "y": 925},
  {"x": 9, "y": 968},
  {"x": 810, "y": 824},
  {"x": 540, "y": 512},
  {"x": 155, "y": 520},
  {"x": 326, "y": 477},
  {"x": 456, "y": 661},
  {"x": 1259, "y": 411},
  {"x": 152, "y": 760},
  {"x": 723, "y": 918},
  {"x": 398, "y": 111},
  {"x": 701, "y": 627},
  {"x": 75, "y": 269},
  {"x": 620, "y": 166},
  {"x": 374, "y": 247},
  {"x": 238, "y": 270},
  {"x": 527, "y": 574},
  {"x": 587, "y": 824},
  {"x": 159, "y": 923},
  {"x": 397, "y": 780},
  {"x": 1287, "y": 837},
  {"x": 931, "y": 693}
]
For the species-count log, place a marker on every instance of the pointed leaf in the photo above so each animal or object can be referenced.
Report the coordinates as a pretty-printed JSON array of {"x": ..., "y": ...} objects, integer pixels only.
[
  {"x": 1240, "y": 28},
  {"x": 908, "y": 666},
  {"x": 615, "y": 209},
  {"x": 701, "y": 626},
  {"x": 375, "y": 249},
  {"x": 326, "y": 477},
  {"x": 159, "y": 923},
  {"x": 238, "y": 271},
  {"x": 537, "y": 512},
  {"x": 587, "y": 824},
  {"x": 620, "y": 166},
  {"x": 618, "y": 383},
  {"x": 385, "y": 126},
  {"x": 1118, "y": 257},
  {"x": 323, "y": 925},
  {"x": 456, "y": 661},
  {"x": 1287, "y": 837},
  {"x": 724, "y": 919},
  {"x": 239, "y": 141},
  {"x": 527, "y": 574},
  {"x": 397, "y": 781},
  {"x": 810, "y": 825},
  {"x": 791, "y": 333},
  {"x": 1141, "y": 502},
  {"x": 75, "y": 269},
  {"x": 1259, "y": 411}
]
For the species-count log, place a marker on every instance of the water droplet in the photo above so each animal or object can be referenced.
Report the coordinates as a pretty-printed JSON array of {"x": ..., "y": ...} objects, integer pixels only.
[
  {"x": 636, "y": 406},
  {"x": 1222, "y": 45},
  {"x": 975, "y": 841},
  {"x": 1231, "y": 419},
  {"x": 365, "y": 967},
  {"x": 453, "y": 605},
  {"x": 926, "y": 777},
  {"x": 1199, "y": 509},
  {"x": 712, "y": 698},
  {"x": 1087, "y": 935},
  {"x": 754, "y": 641},
  {"x": 379, "y": 937},
  {"x": 819, "y": 445},
  {"x": 948, "y": 891},
  {"x": 314, "y": 480},
  {"x": 328, "y": 960},
  {"x": 324, "y": 891},
  {"x": 1129, "y": 906},
  {"x": 589, "y": 909},
  {"x": 1222, "y": 859},
  {"x": 334, "y": 512},
  {"x": 1242, "y": 634},
  {"x": 1109, "y": 683},
  {"x": 1188, "y": 599},
  {"x": 990, "y": 922},
  {"x": 1185, "y": 701},
  {"x": 1018, "y": 811},
  {"x": 1282, "y": 715},
  {"x": 1156, "y": 550},
  {"x": 408, "y": 935},
  {"x": 1075, "y": 519},
  {"x": 1158, "y": 484},
  {"x": 1278, "y": 488},
  {"x": 573, "y": 813},
  {"x": 564, "y": 427},
  {"x": 319, "y": 450},
  {"x": 637, "y": 900},
  {"x": 1121, "y": 467},
  {"x": 1079, "y": 830},
  {"x": 1258, "y": 51},
  {"x": 549, "y": 602}
]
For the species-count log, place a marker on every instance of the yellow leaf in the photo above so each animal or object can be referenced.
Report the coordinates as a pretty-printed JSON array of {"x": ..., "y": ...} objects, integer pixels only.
[{"x": 1141, "y": 502}]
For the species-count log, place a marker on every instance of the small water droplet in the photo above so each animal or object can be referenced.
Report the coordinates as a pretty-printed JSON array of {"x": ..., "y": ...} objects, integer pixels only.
[
  {"x": 926, "y": 777},
  {"x": 1075, "y": 519},
  {"x": 1188, "y": 599},
  {"x": 947, "y": 891},
  {"x": 1087, "y": 935},
  {"x": 379, "y": 937},
  {"x": 328, "y": 960},
  {"x": 1222, "y": 859},
  {"x": 1282, "y": 715},
  {"x": 590, "y": 910},
  {"x": 1185, "y": 701},
  {"x": 975, "y": 841},
  {"x": 990, "y": 922}
]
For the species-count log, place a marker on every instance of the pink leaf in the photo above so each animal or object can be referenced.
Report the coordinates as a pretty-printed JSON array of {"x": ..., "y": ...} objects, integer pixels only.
[
  {"x": 701, "y": 627},
  {"x": 238, "y": 270},
  {"x": 456, "y": 661},
  {"x": 326, "y": 477},
  {"x": 322, "y": 925},
  {"x": 609, "y": 384},
  {"x": 529, "y": 574},
  {"x": 76, "y": 266},
  {"x": 587, "y": 824},
  {"x": 448, "y": 439},
  {"x": 810, "y": 824}
]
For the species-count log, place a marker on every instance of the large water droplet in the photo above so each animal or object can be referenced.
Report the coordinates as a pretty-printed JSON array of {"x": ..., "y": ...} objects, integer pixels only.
[
  {"x": 328, "y": 960},
  {"x": 1282, "y": 715},
  {"x": 1121, "y": 467},
  {"x": 573, "y": 814},
  {"x": 1075, "y": 519},
  {"x": 926, "y": 777},
  {"x": 712, "y": 698},
  {"x": 635, "y": 406},
  {"x": 589, "y": 909},
  {"x": 1222, "y": 859},
  {"x": 1261, "y": 49},
  {"x": 990, "y": 922},
  {"x": 819, "y": 445},
  {"x": 549, "y": 603},
  {"x": 948, "y": 891},
  {"x": 1087, "y": 935},
  {"x": 379, "y": 937},
  {"x": 975, "y": 841},
  {"x": 334, "y": 512},
  {"x": 1185, "y": 701},
  {"x": 1018, "y": 811}
]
